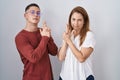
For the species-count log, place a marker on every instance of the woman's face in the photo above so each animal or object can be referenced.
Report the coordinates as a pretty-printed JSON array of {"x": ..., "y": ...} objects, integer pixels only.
[{"x": 77, "y": 21}]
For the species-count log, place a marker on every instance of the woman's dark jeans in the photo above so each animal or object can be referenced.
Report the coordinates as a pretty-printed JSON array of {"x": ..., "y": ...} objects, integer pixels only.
[
  {"x": 91, "y": 77},
  {"x": 60, "y": 78}
]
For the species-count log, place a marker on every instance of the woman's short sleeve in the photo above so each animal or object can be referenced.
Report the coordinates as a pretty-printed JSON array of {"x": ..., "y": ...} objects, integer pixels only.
[{"x": 89, "y": 40}]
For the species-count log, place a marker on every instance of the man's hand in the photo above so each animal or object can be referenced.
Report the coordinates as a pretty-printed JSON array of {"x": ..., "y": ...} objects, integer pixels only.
[{"x": 45, "y": 31}]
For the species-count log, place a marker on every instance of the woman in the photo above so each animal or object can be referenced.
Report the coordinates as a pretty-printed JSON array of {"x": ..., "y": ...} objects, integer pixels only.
[{"x": 77, "y": 47}]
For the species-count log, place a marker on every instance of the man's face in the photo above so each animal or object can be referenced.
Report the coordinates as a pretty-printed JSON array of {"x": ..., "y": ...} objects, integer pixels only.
[{"x": 32, "y": 15}]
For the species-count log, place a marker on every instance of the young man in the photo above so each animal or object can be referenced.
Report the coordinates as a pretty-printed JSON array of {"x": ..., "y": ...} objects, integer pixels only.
[{"x": 34, "y": 45}]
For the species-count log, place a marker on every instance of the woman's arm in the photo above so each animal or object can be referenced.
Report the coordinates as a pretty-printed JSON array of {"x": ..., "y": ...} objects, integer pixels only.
[
  {"x": 86, "y": 48},
  {"x": 82, "y": 54},
  {"x": 62, "y": 51}
]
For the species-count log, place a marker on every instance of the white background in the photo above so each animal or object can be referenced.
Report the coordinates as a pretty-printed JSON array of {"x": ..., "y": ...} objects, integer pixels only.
[{"x": 104, "y": 19}]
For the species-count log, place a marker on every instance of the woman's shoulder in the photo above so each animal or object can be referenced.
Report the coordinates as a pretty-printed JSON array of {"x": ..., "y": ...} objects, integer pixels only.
[{"x": 90, "y": 33}]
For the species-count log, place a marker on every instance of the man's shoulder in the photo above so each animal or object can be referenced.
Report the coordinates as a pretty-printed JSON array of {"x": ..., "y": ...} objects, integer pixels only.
[{"x": 20, "y": 33}]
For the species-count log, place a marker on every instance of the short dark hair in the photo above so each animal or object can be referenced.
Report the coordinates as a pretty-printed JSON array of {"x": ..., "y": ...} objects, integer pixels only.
[{"x": 30, "y": 5}]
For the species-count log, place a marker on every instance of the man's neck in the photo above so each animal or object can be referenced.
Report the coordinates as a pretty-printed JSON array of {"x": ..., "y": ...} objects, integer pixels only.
[{"x": 31, "y": 28}]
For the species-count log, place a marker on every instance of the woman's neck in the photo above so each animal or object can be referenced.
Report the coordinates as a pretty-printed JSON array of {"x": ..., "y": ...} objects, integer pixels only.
[{"x": 76, "y": 32}]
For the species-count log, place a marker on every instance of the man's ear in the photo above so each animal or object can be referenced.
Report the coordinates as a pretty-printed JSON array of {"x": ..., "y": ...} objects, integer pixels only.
[{"x": 25, "y": 15}]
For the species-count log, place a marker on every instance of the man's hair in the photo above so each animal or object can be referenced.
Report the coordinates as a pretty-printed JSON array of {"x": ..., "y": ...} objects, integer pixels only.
[{"x": 30, "y": 5}]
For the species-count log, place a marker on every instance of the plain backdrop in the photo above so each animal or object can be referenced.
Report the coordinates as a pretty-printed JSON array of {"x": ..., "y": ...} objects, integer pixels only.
[{"x": 104, "y": 22}]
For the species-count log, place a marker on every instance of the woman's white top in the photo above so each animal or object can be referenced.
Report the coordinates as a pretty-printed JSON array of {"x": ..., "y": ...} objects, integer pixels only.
[{"x": 72, "y": 69}]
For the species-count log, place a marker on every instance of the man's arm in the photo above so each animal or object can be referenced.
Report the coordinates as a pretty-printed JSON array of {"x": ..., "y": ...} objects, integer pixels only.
[
  {"x": 52, "y": 48},
  {"x": 30, "y": 53}
]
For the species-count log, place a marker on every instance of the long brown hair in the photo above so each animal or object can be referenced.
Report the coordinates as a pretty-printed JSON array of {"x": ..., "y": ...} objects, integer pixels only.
[{"x": 85, "y": 27}]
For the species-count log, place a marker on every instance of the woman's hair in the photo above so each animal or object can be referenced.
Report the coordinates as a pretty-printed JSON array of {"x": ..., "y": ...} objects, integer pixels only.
[
  {"x": 85, "y": 27},
  {"x": 30, "y": 5}
]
